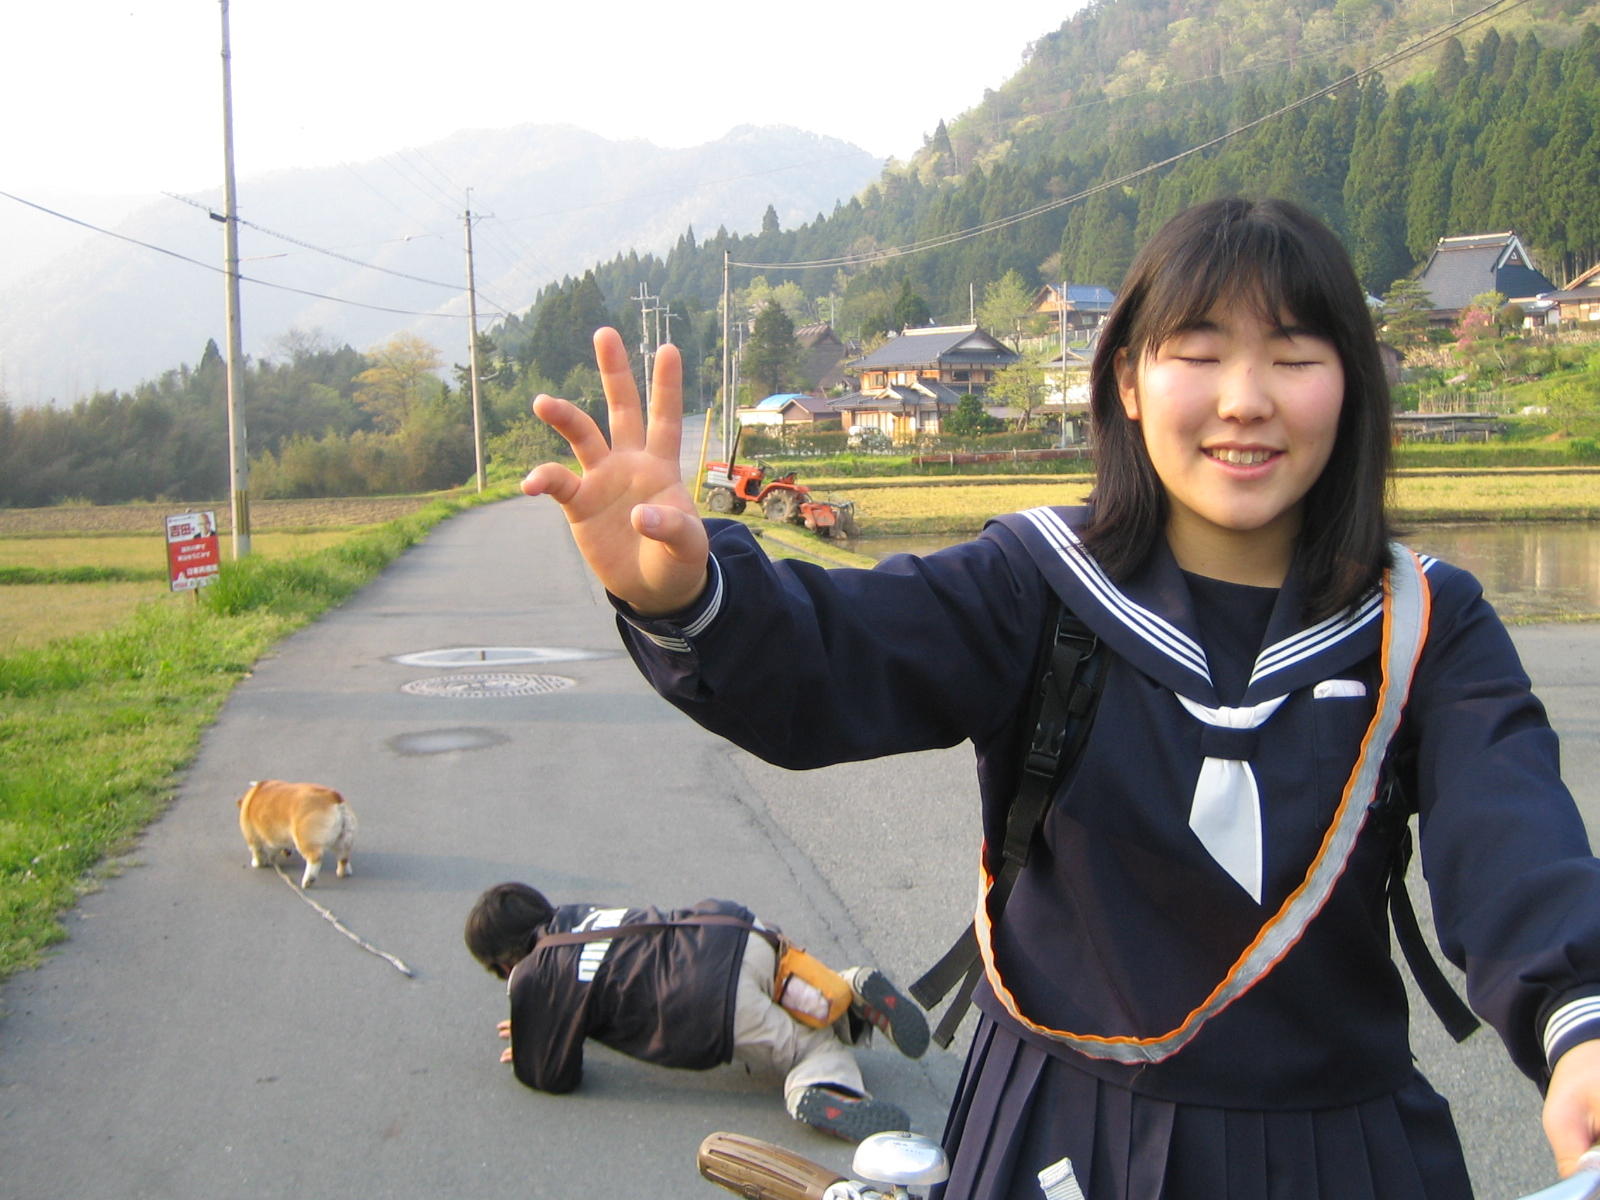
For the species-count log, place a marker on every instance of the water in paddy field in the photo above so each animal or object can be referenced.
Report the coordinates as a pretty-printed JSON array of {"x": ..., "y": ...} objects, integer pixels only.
[{"x": 1536, "y": 571}]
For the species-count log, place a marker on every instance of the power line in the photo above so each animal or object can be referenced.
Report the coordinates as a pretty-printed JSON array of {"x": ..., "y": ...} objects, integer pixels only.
[
  {"x": 282, "y": 287},
  {"x": 294, "y": 241},
  {"x": 425, "y": 186}
]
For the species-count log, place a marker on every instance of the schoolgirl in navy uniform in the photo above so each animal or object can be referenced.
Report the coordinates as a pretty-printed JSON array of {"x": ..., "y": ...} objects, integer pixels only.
[{"x": 1236, "y": 560}]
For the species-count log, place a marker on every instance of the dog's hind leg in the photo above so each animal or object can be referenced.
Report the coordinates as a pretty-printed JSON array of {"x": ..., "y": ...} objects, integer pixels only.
[{"x": 346, "y": 840}]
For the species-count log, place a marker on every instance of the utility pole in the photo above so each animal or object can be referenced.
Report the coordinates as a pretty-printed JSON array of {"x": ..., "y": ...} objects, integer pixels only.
[
  {"x": 1063, "y": 297},
  {"x": 646, "y": 354},
  {"x": 472, "y": 349},
  {"x": 238, "y": 459},
  {"x": 727, "y": 365}
]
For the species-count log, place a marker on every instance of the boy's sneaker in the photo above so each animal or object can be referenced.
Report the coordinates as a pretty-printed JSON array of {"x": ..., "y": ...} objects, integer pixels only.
[
  {"x": 843, "y": 1115},
  {"x": 886, "y": 1008}
]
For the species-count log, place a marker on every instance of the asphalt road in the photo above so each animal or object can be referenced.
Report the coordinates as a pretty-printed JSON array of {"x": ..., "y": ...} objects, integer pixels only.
[{"x": 206, "y": 1033}]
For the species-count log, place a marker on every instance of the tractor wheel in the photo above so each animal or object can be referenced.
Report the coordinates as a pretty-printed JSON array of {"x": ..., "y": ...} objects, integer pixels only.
[
  {"x": 781, "y": 506},
  {"x": 845, "y": 527},
  {"x": 722, "y": 500}
]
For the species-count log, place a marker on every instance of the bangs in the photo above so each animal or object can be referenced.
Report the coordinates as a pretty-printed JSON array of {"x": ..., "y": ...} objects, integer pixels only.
[{"x": 1239, "y": 264}]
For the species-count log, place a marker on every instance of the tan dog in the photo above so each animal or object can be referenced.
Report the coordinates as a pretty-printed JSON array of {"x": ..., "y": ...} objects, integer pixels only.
[{"x": 315, "y": 820}]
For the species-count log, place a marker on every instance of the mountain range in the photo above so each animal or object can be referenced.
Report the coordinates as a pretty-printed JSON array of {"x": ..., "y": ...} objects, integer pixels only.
[{"x": 356, "y": 253}]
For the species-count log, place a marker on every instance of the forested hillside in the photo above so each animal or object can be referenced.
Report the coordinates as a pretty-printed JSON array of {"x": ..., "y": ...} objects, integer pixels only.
[{"x": 1474, "y": 123}]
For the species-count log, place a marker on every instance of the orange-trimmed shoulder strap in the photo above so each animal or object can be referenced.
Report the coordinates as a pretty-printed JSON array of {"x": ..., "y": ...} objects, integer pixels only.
[{"x": 1406, "y": 607}]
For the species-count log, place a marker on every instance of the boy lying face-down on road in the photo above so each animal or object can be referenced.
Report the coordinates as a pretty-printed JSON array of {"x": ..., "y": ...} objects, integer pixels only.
[{"x": 691, "y": 988}]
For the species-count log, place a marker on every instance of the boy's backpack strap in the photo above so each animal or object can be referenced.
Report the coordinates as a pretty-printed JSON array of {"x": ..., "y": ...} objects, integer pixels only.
[
  {"x": 616, "y": 931},
  {"x": 1062, "y": 706}
]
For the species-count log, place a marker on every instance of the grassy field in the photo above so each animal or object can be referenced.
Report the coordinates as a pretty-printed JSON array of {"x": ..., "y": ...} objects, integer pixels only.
[
  {"x": 960, "y": 504},
  {"x": 76, "y": 569}
]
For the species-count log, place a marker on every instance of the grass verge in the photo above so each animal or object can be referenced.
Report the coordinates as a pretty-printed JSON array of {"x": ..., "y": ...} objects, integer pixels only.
[{"x": 95, "y": 729}]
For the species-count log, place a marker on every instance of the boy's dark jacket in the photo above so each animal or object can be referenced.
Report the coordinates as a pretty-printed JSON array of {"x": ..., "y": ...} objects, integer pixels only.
[{"x": 664, "y": 997}]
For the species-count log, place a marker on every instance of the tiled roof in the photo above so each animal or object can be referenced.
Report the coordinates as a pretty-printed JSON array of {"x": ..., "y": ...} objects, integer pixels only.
[
  {"x": 940, "y": 345},
  {"x": 1463, "y": 267},
  {"x": 903, "y": 397},
  {"x": 783, "y": 400},
  {"x": 1083, "y": 296},
  {"x": 809, "y": 336}
]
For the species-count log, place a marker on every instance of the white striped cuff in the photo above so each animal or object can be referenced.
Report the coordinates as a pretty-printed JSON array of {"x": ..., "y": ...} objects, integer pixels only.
[
  {"x": 1575, "y": 1021},
  {"x": 701, "y": 615}
]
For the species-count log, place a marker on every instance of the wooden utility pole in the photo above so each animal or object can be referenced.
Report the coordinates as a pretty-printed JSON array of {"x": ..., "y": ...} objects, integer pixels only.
[
  {"x": 727, "y": 364},
  {"x": 238, "y": 458},
  {"x": 472, "y": 349},
  {"x": 1062, "y": 441}
]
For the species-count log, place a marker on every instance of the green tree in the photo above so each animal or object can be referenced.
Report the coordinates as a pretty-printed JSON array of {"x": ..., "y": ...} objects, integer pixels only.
[
  {"x": 771, "y": 358},
  {"x": 1405, "y": 313},
  {"x": 1021, "y": 386},
  {"x": 1007, "y": 308},
  {"x": 970, "y": 418},
  {"x": 400, "y": 381},
  {"x": 910, "y": 310}
]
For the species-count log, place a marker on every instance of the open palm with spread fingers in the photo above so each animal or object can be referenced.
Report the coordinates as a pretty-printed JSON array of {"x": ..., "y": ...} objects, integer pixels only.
[{"x": 633, "y": 519}]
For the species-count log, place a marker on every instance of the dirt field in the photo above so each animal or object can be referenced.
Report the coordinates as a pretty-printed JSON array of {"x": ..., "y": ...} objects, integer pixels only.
[{"x": 264, "y": 515}]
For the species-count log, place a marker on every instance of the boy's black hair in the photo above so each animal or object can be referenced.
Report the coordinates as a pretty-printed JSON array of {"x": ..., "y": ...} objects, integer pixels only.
[
  {"x": 1281, "y": 261},
  {"x": 502, "y": 923}
]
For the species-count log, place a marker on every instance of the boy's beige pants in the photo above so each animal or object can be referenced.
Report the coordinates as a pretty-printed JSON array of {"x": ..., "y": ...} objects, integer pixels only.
[{"x": 767, "y": 1037}]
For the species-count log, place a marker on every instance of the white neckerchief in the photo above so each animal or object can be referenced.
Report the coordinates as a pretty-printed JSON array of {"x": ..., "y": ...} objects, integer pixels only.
[{"x": 1225, "y": 813}]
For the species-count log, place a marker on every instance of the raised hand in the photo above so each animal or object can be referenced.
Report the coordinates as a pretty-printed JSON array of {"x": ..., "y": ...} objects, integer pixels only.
[{"x": 633, "y": 520}]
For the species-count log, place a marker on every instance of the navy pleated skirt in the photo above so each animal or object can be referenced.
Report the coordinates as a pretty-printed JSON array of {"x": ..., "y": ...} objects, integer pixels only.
[{"x": 1020, "y": 1109}]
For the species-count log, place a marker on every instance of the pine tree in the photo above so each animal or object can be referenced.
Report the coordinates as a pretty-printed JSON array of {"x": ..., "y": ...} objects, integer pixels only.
[
  {"x": 910, "y": 310},
  {"x": 771, "y": 358}
]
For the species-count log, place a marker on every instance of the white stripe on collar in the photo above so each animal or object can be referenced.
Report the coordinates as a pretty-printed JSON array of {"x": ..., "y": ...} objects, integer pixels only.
[
  {"x": 1308, "y": 643},
  {"x": 1160, "y": 633}
]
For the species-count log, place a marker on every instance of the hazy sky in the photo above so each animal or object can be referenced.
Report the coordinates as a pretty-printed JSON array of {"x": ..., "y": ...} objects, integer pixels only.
[{"x": 124, "y": 96}]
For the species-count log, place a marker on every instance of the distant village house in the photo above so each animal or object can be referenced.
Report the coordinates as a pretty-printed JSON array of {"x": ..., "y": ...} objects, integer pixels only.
[
  {"x": 908, "y": 385},
  {"x": 1081, "y": 306},
  {"x": 1463, "y": 268},
  {"x": 822, "y": 356},
  {"x": 790, "y": 411}
]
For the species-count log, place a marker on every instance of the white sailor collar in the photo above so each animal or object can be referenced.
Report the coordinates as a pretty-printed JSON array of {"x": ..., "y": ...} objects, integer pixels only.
[{"x": 1149, "y": 620}]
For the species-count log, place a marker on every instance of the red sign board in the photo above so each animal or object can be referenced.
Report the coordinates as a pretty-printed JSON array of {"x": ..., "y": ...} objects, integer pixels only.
[{"x": 192, "y": 558}]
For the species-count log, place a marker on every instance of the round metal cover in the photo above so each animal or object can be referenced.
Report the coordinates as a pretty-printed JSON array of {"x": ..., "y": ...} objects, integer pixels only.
[
  {"x": 479, "y": 685},
  {"x": 499, "y": 656}
]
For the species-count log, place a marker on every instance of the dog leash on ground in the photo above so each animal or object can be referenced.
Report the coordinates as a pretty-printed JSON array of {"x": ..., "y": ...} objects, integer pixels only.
[{"x": 343, "y": 928}]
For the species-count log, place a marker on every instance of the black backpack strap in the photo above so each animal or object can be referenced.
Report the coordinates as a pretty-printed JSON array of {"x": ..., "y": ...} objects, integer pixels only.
[
  {"x": 1392, "y": 810},
  {"x": 1062, "y": 705}
]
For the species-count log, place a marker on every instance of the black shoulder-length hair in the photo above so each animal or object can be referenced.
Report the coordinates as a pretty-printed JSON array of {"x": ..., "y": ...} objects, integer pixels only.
[{"x": 1282, "y": 262}]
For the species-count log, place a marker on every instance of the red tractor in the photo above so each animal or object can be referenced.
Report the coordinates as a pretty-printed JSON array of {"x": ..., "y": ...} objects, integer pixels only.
[{"x": 732, "y": 486}]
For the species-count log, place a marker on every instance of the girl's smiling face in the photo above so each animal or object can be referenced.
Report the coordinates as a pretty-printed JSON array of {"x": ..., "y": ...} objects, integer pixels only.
[{"x": 1239, "y": 416}]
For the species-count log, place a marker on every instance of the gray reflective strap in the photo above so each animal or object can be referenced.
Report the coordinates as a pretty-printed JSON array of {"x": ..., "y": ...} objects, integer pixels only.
[{"x": 1405, "y": 628}]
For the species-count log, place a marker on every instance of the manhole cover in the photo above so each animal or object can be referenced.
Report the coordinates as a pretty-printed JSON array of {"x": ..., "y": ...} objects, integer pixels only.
[
  {"x": 503, "y": 656},
  {"x": 472, "y": 685}
]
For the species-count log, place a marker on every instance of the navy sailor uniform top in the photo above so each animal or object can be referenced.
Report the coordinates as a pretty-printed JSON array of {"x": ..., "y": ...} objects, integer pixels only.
[{"x": 1122, "y": 922}]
